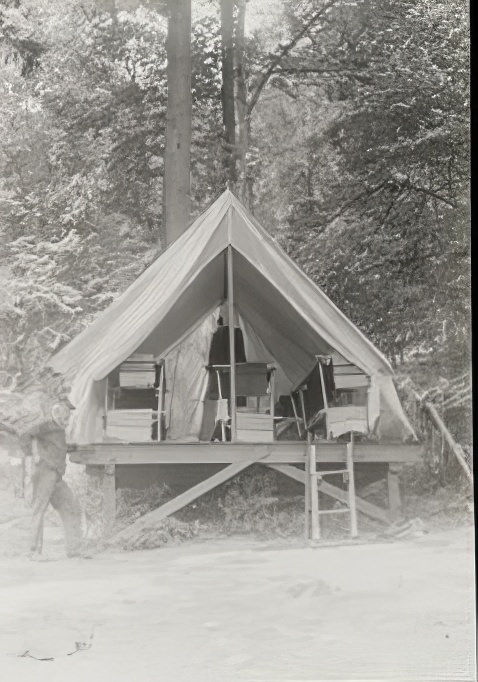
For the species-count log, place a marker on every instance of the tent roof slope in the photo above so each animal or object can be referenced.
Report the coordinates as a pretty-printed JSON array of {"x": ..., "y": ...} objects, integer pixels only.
[
  {"x": 304, "y": 291},
  {"x": 118, "y": 321},
  {"x": 125, "y": 324}
]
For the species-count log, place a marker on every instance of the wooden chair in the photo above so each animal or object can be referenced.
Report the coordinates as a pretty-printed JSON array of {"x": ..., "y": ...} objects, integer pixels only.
[
  {"x": 255, "y": 400},
  {"x": 339, "y": 417}
]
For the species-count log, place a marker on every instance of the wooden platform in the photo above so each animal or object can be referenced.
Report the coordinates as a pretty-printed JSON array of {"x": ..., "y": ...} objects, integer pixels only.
[
  {"x": 278, "y": 452},
  {"x": 229, "y": 459}
]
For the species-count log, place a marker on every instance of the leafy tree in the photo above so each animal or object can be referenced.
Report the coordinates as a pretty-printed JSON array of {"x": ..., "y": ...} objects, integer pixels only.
[
  {"x": 351, "y": 143},
  {"x": 376, "y": 178},
  {"x": 81, "y": 164}
]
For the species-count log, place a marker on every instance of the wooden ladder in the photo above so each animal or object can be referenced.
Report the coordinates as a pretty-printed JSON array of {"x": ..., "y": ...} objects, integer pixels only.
[{"x": 313, "y": 482}]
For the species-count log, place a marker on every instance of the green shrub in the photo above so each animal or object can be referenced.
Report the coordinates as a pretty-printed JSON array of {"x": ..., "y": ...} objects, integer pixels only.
[
  {"x": 131, "y": 503},
  {"x": 166, "y": 532}
]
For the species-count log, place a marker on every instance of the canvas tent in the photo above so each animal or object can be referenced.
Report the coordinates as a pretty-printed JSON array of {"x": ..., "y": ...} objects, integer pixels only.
[{"x": 171, "y": 311}]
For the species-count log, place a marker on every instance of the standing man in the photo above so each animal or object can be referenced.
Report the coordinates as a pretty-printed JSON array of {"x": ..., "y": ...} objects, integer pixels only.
[{"x": 46, "y": 442}]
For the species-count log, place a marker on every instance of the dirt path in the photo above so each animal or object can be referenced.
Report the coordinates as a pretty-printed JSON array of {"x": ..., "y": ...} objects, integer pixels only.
[{"x": 239, "y": 610}]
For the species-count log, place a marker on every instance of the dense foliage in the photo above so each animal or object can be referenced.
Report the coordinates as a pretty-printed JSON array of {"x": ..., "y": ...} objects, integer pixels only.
[
  {"x": 375, "y": 184},
  {"x": 357, "y": 158}
]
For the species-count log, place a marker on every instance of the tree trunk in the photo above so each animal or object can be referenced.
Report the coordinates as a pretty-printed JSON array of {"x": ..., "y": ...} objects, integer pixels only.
[
  {"x": 227, "y": 90},
  {"x": 243, "y": 120},
  {"x": 177, "y": 160}
]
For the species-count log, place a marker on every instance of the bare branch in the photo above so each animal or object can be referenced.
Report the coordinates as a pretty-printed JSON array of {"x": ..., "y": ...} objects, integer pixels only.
[
  {"x": 433, "y": 194},
  {"x": 262, "y": 82},
  {"x": 367, "y": 193}
]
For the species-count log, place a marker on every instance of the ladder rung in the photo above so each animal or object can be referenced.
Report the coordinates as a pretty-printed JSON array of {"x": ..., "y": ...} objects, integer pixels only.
[
  {"x": 334, "y": 511},
  {"x": 329, "y": 473}
]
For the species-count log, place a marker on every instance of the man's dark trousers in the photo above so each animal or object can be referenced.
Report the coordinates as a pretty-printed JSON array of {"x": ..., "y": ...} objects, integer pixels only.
[{"x": 48, "y": 486}]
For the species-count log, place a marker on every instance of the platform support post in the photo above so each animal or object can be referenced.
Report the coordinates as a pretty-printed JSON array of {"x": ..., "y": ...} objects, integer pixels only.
[
  {"x": 109, "y": 498},
  {"x": 351, "y": 487},
  {"x": 394, "y": 498},
  {"x": 313, "y": 490}
]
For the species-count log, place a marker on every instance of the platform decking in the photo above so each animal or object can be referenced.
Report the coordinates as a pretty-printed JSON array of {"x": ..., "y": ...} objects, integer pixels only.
[{"x": 278, "y": 452}]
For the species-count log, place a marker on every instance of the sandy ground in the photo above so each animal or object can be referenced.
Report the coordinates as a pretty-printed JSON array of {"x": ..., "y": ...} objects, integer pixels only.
[{"x": 236, "y": 609}]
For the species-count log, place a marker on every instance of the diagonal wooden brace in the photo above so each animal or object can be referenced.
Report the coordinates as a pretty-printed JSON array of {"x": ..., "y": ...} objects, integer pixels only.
[
  {"x": 367, "y": 508},
  {"x": 185, "y": 498}
]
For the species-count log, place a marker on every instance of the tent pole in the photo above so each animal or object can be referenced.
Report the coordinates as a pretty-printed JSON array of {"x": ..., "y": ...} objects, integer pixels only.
[
  {"x": 159, "y": 435},
  {"x": 105, "y": 414},
  {"x": 232, "y": 348},
  {"x": 322, "y": 383},
  {"x": 324, "y": 397},
  {"x": 296, "y": 416}
]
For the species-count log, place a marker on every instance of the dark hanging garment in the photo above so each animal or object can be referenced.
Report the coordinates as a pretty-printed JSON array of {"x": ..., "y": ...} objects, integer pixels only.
[
  {"x": 313, "y": 397},
  {"x": 328, "y": 370},
  {"x": 219, "y": 352}
]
